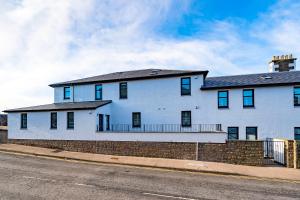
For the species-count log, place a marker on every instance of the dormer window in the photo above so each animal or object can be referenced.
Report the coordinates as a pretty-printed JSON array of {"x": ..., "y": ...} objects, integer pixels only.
[{"x": 67, "y": 93}]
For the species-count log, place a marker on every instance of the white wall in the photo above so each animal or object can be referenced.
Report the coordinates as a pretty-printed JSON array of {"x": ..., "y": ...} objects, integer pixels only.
[{"x": 274, "y": 113}]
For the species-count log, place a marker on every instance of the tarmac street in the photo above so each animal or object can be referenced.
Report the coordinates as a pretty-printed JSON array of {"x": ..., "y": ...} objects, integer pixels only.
[{"x": 29, "y": 177}]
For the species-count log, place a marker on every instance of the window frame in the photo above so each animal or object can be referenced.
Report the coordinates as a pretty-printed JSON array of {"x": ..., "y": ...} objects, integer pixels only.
[
  {"x": 65, "y": 97},
  {"x": 295, "y": 95},
  {"x": 238, "y": 132},
  {"x": 51, "y": 121},
  {"x": 295, "y": 128},
  {"x": 256, "y": 132},
  {"x": 24, "y": 125},
  {"x": 99, "y": 90},
  {"x": 107, "y": 121},
  {"x": 120, "y": 90},
  {"x": 253, "y": 103},
  {"x": 190, "y": 119},
  {"x": 190, "y": 86},
  {"x": 227, "y": 97},
  {"x": 68, "y": 121},
  {"x": 139, "y": 125}
]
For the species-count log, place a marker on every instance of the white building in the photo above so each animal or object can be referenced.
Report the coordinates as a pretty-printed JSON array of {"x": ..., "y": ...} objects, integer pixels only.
[{"x": 165, "y": 105}]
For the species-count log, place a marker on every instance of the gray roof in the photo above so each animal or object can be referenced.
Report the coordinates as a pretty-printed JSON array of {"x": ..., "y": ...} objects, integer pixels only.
[
  {"x": 131, "y": 75},
  {"x": 86, "y": 105},
  {"x": 252, "y": 80}
]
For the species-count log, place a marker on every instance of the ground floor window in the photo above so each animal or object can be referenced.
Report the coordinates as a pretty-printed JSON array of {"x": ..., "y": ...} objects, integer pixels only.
[
  {"x": 251, "y": 133},
  {"x": 233, "y": 133},
  {"x": 297, "y": 133},
  {"x": 53, "y": 120},
  {"x": 136, "y": 120},
  {"x": 23, "y": 120},
  {"x": 186, "y": 118},
  {"x": 70, "y": 120}
]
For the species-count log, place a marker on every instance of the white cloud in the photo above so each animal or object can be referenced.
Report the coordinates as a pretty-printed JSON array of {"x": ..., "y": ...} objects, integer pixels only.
[{"x": 48, "y": 41}]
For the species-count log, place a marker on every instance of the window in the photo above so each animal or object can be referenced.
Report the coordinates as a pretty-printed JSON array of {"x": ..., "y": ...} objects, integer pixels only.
[
  {"x": 297, "y": 96},
  {"x": 70, "y": 120},
  {"x": 248, "y": 98},
  {"x": 53, "y": 120},
  {"x": 98, "y": 92},
  {"x": 186, "y": 119},
  {"x": 223, "y": 99},
  {"x": 233, "y": 133},
  {"x": 297, "y": 133},
  {"x": 107, "y": 122},
  {"x": 186, "y": 86},
  {"x": 24, "y": 121},
  {"x": 251, "y": 133},
  {"x": 67, "y": 92},
  {"x": 123, "y": 90},
  {"x": 136, "y": 120}
]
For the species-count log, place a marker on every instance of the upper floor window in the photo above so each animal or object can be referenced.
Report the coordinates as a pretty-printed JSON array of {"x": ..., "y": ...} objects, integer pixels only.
[
  {"x": 297, "y": 96},
  {"x": 136, "y": 120},
  {"x": 251, "y": 133},
  {"x": 297, "y": 133},
  {"x": 186, "y": 86},
  {"x": 53, "y": 120},
  {"x": 70, "y": 120},
  {"x": 123, "y": 90},
  {"x": 67, "y": 92},
  {"x": 98, "y": 92},
  {"x": 248, "y": 98},
  {"x": 223, "y": 99},
  {"x": 186, "y": 118},
  {"x": 24, "y": 120},
  {"x": 233, "y": 133}
]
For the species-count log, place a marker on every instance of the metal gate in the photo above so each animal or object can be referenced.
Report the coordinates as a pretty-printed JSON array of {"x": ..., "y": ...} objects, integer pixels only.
[{"x": 274, "y": 152}]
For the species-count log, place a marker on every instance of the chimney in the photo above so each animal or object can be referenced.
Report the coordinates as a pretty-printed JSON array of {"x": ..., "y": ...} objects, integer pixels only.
[{"x": 283, "y": 63}]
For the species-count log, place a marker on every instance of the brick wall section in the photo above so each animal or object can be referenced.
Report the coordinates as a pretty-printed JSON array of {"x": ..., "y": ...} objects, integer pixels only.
[
  {"x": 173, "y": 150},
  {"x": 289, "y": 153},
  {"x": 233, "y": 152}
]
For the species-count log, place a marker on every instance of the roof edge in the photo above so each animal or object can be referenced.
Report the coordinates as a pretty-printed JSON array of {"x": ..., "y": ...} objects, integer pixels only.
[
  {"x": 62, "y": 109},
  {"x": 250, "y": 85},
  {"x": 205, "y": 72}
]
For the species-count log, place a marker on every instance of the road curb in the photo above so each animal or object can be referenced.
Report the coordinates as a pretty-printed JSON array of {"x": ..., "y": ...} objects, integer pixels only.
[{"x": 142, "y": 166}]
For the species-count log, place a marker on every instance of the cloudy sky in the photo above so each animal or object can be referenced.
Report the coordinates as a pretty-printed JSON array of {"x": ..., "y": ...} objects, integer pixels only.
[{"x": 47, "y": 41}]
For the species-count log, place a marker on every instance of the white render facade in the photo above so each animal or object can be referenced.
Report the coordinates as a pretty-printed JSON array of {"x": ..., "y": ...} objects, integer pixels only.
[{"x": 160, "y": 102}]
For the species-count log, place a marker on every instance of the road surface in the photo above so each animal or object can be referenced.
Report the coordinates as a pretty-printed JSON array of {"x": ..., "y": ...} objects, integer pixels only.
[{"x": 27, "y": 177}]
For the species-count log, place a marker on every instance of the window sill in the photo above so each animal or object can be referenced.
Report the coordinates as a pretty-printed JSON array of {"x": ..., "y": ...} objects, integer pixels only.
[
  {"x": 249, "y": 107},
  {"x": 23, "y": 128},
  {"x": 53, "y": 129},
  {"x": 222, "y": 108},
  {"x": 70, "y": 129}
]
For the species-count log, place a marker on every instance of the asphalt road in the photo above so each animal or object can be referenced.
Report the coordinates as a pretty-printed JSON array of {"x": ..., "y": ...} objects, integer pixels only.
[{"x": 26, "y": 177}]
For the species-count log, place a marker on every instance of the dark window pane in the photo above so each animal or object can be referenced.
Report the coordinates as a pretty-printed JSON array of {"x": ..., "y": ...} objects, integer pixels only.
[
  {"x": 185, "y": 86},
  {"x": 186, "y": 120},
  {"x": 251, "y": 133},
  {"x": 136, "y": 119},
  {"x": 297, "y": 133},
  {"x": 70, "y": 120},
  {"x": 233, "y": 133},
  {"x": 24, "y": 120},
  {"x": 107, "y": 122},
  {"x": 98, "y": 92},
  {"x": 123, "y": 90},
  {"x": 53, "y": 123},
  {"x": 297, "y": 96}
]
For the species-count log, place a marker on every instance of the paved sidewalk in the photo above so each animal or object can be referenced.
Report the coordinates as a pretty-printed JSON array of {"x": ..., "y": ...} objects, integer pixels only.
[{"x": 185, "y": 165}]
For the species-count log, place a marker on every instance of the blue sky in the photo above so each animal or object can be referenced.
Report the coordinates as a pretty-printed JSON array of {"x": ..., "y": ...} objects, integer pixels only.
[{"x": 48, "y": 41}]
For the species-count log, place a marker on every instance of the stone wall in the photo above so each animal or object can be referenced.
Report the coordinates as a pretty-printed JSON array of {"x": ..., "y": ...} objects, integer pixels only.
[
  {"x": 173, "y": 150},
  {"x": 233, "y": 152},
  {"x": 298, "y": 154},
  {"x": 289, "y": 153}
]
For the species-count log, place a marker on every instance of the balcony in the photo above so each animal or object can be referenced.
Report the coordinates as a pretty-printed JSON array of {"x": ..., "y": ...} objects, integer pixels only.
[{"x": 162, "y": 128}]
